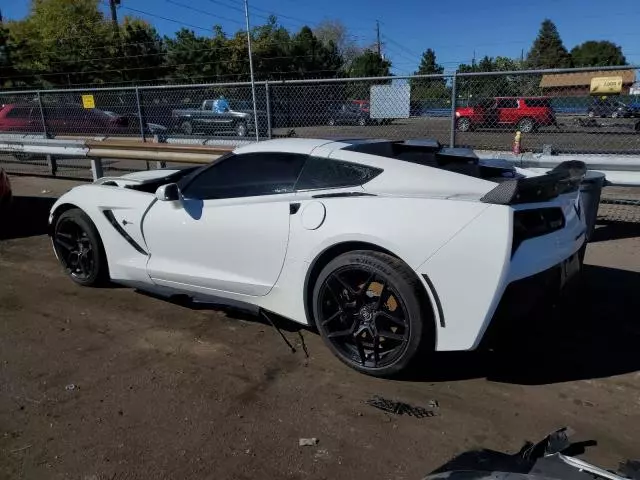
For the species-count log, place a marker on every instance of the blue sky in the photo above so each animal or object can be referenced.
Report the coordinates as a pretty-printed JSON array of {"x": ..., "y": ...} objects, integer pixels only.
[{"x": 454, "y": 28}]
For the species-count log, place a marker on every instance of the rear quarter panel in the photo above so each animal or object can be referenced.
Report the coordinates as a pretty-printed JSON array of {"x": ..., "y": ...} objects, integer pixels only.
[{"x": 411, "y": 228}]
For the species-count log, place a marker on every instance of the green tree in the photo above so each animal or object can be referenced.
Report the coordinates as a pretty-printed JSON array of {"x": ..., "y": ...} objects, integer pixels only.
[
  {"x": 311, "y": 58},
  {"x": 429, "y": 88},
  {"x": 428, "y": 64},
  {"x": 141, "y": 54},
  {"x": 477, "y": 87},
  {"x": 192, "y": 58},
  {"x": 63, "y": 42},
  {"x": 596, "y": 54},
  {"x": 335, "y": 31},
  {"x": 548, "y": 51},
  {"x": 369, "y": 64},
  {"x": 8, "y": 73},
  {"x": 271, "y": 50}
]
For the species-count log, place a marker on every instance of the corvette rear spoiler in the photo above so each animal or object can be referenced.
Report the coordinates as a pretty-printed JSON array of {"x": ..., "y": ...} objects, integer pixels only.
[{"x": 564, "y": 178}]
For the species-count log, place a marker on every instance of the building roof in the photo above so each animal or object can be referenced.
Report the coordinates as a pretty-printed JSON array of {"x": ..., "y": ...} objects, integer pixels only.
[{"x": 581, "y": 79}]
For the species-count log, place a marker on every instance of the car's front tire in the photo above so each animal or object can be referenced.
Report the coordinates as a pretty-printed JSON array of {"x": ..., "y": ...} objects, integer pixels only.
[
  {"x": 79, "y": 248},
  {"x": 370, "y": 310}
]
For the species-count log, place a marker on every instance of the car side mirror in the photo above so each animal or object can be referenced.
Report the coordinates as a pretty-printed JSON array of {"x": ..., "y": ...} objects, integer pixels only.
[{"x": 168, "y": 193}]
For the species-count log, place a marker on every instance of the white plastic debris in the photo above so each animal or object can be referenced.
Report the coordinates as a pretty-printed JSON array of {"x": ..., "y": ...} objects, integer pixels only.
[{"x": 308, "y": 442}]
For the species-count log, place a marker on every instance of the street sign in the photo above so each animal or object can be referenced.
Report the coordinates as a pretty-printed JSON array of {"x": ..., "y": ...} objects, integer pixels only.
[
  {"x": 601, "y": 85},
  {"x": 88, "y": 101}
]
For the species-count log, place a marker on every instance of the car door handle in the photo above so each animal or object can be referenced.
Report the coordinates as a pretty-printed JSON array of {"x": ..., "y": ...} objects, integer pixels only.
[{"x": 293, "y": 208}]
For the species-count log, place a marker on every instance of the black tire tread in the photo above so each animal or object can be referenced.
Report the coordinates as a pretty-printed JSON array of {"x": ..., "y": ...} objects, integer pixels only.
[
  {"x": 102, "y": 278},
  {"x": 394, "y": 267}
]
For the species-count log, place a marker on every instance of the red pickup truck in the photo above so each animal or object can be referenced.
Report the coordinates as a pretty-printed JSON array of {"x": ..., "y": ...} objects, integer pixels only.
[{"x": 526, "y": 114}]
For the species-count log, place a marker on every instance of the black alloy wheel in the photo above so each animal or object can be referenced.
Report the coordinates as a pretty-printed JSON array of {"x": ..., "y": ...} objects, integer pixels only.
[
  {"x": 79, "y": 249},
  {"x": 368, "y": 310},
  {"x": 187, "y": 127}
]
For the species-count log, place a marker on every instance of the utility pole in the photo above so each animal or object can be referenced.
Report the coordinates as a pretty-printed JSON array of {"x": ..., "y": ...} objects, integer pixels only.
[
  {"x": 114, "y": 14},
  {"x": 378, "y": 39},
  {"x": 253, "y": 83}
]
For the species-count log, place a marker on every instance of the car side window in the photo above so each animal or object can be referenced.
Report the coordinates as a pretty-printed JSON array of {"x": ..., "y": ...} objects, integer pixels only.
[
  {"x": 507, "y": 103},
  {"x": 247, "y": 175},
  {"x": 326, "y": 173},
  {"x": 19, "y": 112}
]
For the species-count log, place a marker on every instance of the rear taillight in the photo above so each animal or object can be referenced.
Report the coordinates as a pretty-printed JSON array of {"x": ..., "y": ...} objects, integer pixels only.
[{"x": 535, "y": 223}]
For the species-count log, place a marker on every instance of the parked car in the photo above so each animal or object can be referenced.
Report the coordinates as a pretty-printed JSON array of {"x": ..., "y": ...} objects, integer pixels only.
[
  {"x": 525, "y": 114},
  {"x": 278, "y": 227},
  {"x": 355, "y": 112},
  {"x": 69, "y": 119},
  {"x": 20, "y": 118},
  {"x": 5, "y": 190},
  {"x": 609, "y": 107},
  {"x": 238, "y": 119}
]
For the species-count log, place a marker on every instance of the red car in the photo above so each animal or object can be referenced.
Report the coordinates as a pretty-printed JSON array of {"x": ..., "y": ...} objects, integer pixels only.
[
  {"x": 60, "y": 119},
  {"x": 19, "y": 118},
  {"x": 525, "y": 114},
  {"x": 5, "y": 190}
]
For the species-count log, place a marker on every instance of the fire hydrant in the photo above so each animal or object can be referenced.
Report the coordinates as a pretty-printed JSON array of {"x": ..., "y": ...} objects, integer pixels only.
[{"x": 516, "y": 143}]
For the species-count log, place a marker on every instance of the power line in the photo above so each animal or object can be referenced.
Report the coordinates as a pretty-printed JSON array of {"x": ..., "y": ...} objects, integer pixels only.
[
  {"x": 202, "y": 11},
  {"x": 165, "y": 18},
  {"x": 159, "y": 67}
]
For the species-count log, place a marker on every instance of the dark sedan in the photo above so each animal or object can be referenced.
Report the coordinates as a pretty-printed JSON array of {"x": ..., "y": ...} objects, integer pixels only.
[{"x": 612, "y": 108}]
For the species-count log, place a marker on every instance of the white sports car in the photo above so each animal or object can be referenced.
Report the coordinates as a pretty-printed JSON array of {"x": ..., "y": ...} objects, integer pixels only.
[{"x": 388, "y": 248}]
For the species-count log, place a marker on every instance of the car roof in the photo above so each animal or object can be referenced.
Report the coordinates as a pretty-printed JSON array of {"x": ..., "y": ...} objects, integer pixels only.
[
  {"x": 379, "y": 147},
  {"x": 291, "y": 145}
]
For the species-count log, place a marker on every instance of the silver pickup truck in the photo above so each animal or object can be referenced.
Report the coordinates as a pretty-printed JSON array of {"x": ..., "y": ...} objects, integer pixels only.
[{"x": 238, "y": 122}]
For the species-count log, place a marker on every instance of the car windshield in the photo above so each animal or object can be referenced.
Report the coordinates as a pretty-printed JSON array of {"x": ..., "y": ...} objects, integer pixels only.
[{"x": 241, "y": 105}]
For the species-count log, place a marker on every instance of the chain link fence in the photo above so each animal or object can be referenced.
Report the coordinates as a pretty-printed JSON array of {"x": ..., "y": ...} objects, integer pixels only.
[{"x": 556, "y": 111}]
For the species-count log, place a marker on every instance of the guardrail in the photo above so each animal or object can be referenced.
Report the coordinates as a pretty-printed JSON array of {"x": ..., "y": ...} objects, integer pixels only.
[
  {"x": 619, "y": 170},
  {"x": 96, "y": 150}
]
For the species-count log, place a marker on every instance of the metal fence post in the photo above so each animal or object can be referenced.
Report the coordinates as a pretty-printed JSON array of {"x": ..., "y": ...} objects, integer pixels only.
[
  {"x": 140, "y": 115},
  {"x": 53, "y": 164},
  {"x": 266, "y": 88},
  {"x": 96, "y": 168},
  {"x": 42, "y": 119},
  {"x": 452, "y": 133}
]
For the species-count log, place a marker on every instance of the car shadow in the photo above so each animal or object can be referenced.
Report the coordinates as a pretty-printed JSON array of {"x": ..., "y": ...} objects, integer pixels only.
[
  {"x": 26, "y": 217},
  {"x": 615, "y": 230},
  {"x": 594, "y": 332}
]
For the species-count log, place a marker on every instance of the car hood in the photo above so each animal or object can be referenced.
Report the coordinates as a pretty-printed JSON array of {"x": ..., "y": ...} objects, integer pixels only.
[{"x": 137, "y": 178}]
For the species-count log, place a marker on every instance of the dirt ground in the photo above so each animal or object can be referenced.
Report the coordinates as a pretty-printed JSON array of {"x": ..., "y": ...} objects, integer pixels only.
[{"x": 114, "y": 384}]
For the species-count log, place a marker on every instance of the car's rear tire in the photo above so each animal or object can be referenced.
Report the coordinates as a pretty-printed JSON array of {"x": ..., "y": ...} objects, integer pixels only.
[
  {"x": 79, "y": 248},
  {"x": 187, "y": 127},
  {"x": 241, "y": 129},
  {"x": 463, "y": 124},
  {"x": 370, "y": 310},
  {"x": 526, "y": 125}
]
